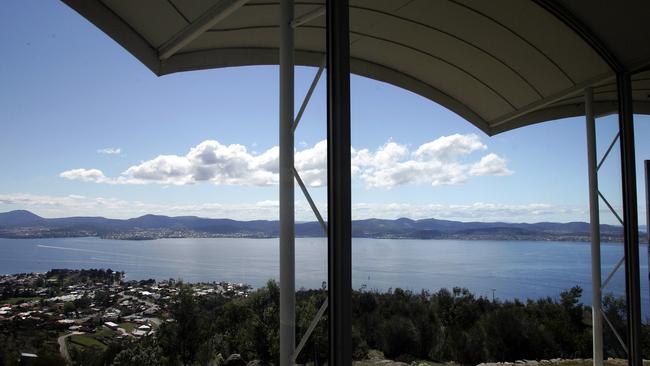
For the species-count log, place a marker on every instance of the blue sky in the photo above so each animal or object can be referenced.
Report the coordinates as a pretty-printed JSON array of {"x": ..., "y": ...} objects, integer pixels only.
[{"x": 68, "y": 92}]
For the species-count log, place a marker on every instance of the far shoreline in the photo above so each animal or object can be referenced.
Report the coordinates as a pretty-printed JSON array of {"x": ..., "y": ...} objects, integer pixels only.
[{"x": 577, "y": 240}]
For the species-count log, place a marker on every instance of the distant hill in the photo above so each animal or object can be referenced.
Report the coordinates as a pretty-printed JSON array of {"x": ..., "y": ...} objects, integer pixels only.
[
  {"x": 24, "y": 224},
  {"x": 20, "y": 218}
]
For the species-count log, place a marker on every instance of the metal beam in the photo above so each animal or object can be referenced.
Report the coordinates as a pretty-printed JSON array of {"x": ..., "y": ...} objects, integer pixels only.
[
  {"x": 612, "y": 273},
  {"x": 541, "y": 103},
  {"x": 618, "y": 336},
  {"x": 308, "y": 17},
  {"x": 609, "y": 205},
  {"x": 287, "y": 218},
  {"x": 305, "y": 101},
  {"x": 339, "y": 241},
  {"x": 310, "y": 330},
  {"x": 214, "y": 15},
  {"x": 609, "y": 149},
  {"x": 570, "y": 20},
  {"x": 630, "y": 218},
  {"x": 647, "y": 207},
  {"x": 594, "y": 220},
  {"x": 305, "y": 192}
]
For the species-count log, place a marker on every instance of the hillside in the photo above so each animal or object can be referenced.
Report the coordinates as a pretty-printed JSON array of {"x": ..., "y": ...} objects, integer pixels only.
[{"x": 24, "y": 224}]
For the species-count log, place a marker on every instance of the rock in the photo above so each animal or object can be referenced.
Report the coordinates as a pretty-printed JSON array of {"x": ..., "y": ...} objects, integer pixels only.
[
  {"x": 374, "y": 354},
  {"x": 235, "y": 360}
]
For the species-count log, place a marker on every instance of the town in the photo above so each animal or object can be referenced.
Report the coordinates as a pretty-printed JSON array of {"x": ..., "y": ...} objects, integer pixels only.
[{"x": 63, "y": 313}]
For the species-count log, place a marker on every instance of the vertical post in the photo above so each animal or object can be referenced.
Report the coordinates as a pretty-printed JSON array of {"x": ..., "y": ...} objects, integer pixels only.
[
  {"x": 339, "y": 242},
  {"x": 287, "y": 227},
  {"x": 630, "y": 218},
  {"x": 594, "y": 219},
  {"x": 647, "y": 208}
]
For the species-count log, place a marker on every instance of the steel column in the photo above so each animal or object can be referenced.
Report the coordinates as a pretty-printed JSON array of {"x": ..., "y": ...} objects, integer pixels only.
[
  {"x": 647, "y": 207},
  {"x": 287, "y": 225},
  {"x": 339, "y": 240},
  {"x": 630, "y": 218},
  {"x": 594, "y": 219}
]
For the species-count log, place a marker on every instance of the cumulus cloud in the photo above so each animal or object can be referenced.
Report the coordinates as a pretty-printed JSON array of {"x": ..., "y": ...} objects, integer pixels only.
[
  {"x": 438, "y": 162},
  {"x": 311, "y": 164},
  {"x": 209, "y": 161},
  {"x": 96, "y": 176},
  {"x": 110, "y": 151},
  {"x": 490, "y": 164},
  {"x": 85, "y": 175}
]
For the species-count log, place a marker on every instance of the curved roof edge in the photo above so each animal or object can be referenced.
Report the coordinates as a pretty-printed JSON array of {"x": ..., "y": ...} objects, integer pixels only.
[
  {"x": 106, "y": 20},
  {"x": 231, "y": 57},
  {"x": 601, "y": 109},
  {"x": 549, "y": 108}
]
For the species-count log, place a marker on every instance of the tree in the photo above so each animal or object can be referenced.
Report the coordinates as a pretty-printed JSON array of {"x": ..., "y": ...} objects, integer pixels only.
[
  {"x": 69, "y": 308},
  {"x": 186, "y": 313},
  {"x": 146, "y": 352}
]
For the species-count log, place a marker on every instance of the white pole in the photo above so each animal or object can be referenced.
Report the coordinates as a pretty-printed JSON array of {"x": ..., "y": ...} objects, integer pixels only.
[
  {"x": 287, "y": 228},
  {"x": 594, "y": 218}
]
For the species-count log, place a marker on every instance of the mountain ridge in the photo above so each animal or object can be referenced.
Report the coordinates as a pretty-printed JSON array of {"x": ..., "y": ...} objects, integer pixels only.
[{"x": 25, "y": 224}]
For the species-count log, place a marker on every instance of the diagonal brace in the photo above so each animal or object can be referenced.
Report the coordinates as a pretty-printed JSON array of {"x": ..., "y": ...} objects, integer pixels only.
[
  {"x": 310, "y": 330},
  {"x": 609, "y": 149},
  {"x": 305, "y": 101},
  {"x": 611, "y": 326},
  {"x": 611, "y": 274},
  {"x": 610, "y": 207},
  {"x": 308, "y": 17},
  {"x": 212, "y": 16},
  {"x": 310, "y": 200}
]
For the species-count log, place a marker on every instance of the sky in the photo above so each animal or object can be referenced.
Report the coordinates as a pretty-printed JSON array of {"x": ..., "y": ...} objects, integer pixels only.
[{"x": 88, "y": 130}]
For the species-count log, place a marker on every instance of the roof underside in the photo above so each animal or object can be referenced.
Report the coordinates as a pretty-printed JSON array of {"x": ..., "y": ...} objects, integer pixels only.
[{"x": 499, "y": 64}]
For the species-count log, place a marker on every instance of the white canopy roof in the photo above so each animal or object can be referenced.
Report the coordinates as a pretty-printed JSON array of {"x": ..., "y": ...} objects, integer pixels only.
[{"x": 500, "y": 64}]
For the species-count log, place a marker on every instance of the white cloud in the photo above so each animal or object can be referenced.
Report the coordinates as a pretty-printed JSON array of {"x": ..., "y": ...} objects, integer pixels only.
[
  {"x": 110, "y": 151},
  {"x": 311, "y": 164},
  {"x": 209, "y": 161},
  {"x": 490, "y": 164},
  {"x": 85, "y": 175},
  {"x": 478, "y": 211},
  {"x": 438, "y": 162},
  {"x": 449, "y": 148},
  {"x": 75, "y": 205},
  {"x": 164, "y": 169}
]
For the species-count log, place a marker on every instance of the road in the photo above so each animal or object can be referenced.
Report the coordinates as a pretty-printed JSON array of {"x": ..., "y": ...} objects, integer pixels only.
[{"x": 63, "y": 347}]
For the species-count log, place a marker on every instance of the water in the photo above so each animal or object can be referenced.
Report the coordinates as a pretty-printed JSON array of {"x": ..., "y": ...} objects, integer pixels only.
[{"x": 514, "y": 269}]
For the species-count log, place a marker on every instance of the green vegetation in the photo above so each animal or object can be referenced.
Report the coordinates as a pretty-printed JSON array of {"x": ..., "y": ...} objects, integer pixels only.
[
  {"x": 37, "y": 330},
  {"x": 86, "y": 341},
  {"x": 430, "y": 328},
  {"x": 129, "y": 327},
  {"x": 42, "y": 342},
  {"x": 68, "y": 277},
  {"x": 19, "y": 300},
  {"x": 434, "y": 327}
]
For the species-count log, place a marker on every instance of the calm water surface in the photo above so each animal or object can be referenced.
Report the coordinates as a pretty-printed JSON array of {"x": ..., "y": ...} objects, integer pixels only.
[{"x": 514, "y": 269}]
